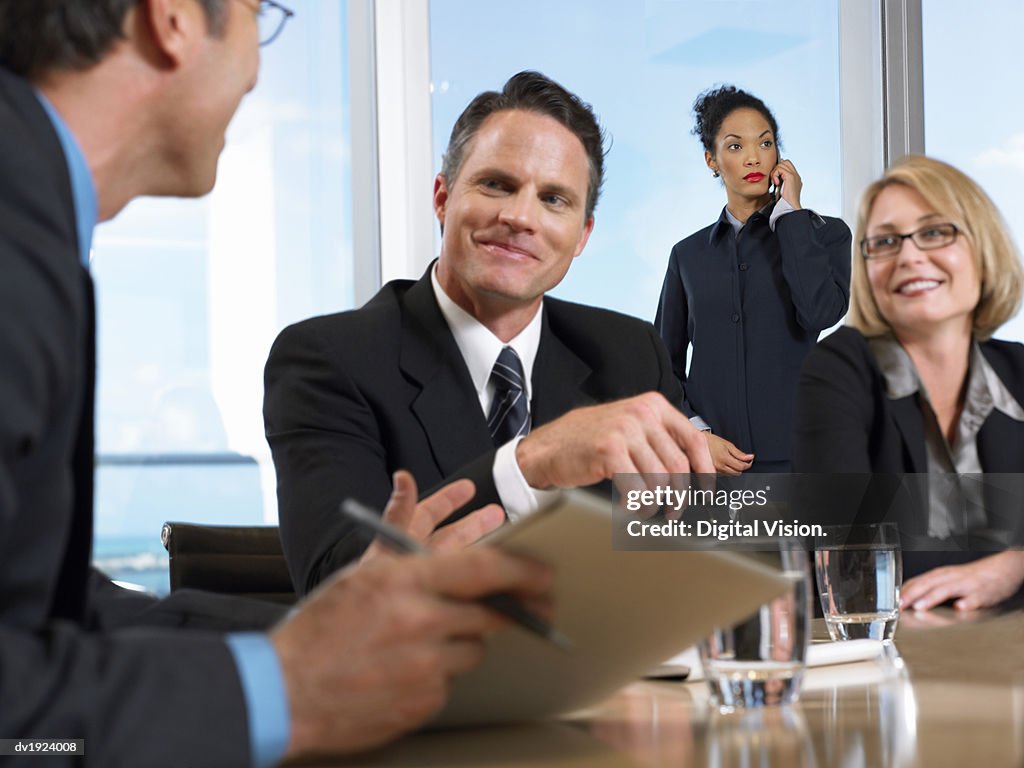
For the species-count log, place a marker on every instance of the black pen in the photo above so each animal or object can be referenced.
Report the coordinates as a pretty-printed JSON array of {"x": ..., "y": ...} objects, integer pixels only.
[{"x": 504, "y": 604}]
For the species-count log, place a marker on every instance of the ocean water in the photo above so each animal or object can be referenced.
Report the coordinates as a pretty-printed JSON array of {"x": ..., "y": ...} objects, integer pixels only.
[
  {"x": 139, "y": 560},
  {"x": 134, "y": 501}
]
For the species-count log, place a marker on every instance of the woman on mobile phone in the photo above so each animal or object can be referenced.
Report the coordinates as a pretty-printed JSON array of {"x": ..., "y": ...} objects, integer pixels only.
[{"x": 751, "y": 292}]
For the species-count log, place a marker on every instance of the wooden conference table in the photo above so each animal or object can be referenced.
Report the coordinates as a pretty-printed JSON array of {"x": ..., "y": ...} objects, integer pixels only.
[{"x": 953, "y": 697}]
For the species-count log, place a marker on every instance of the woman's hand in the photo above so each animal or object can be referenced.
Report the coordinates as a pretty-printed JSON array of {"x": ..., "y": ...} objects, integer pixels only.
[
  {"x": 727, "y": 458},
  {"x": 980, "y": 584},
  {"x": 786, "y": 179}
]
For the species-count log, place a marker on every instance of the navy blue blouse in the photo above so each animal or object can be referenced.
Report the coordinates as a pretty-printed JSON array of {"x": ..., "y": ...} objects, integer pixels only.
[{"x": 752, "y": 305}]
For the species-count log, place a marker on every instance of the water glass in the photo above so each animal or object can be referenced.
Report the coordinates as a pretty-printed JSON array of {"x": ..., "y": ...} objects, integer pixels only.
[
  {"x": 859, "y": 570},
  {"x": 761, "y": 661}
]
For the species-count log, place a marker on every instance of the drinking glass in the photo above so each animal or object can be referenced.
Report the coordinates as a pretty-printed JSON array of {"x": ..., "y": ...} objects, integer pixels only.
[
  {"x": 859, "y": 571},
  {"x": 761, "y": 661}
]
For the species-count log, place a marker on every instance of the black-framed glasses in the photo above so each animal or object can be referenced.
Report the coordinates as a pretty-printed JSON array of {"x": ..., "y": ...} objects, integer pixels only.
[
  {"x": 926, "y": 238},
  {"x": 271, "y": 17}
]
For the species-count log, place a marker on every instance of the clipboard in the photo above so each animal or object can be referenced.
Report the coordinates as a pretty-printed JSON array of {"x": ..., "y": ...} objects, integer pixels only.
[{"x": 625, "y": 612}]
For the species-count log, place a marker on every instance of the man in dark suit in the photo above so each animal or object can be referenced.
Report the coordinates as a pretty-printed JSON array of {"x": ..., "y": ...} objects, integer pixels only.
[
  {"x": 447, "y": 375},
  {"x": 102, "y": 101}
]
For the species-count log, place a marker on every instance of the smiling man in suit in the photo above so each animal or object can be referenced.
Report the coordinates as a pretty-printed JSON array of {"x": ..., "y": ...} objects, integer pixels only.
[{"x": 472, "y": 371}]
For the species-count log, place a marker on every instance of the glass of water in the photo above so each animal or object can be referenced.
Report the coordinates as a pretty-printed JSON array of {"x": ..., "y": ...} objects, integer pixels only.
[
  {"x": 859, "y": 570},
  {"x": 761, "y": 661}
]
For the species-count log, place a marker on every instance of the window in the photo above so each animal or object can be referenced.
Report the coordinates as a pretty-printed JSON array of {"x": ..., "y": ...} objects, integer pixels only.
[
  {"x": 191, "y": 294},
  {"x": 973, "y": 116},
  {"x": 641, "y": 65}
]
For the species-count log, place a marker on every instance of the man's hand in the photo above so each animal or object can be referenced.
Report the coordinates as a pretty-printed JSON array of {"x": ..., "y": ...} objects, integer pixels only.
[
  {"x": 420, "y": 520},
  {"x": 983, "y": 583},
  {"x": 369, "y": 656},
  {"x": 643, "y": 434},
  {"x": 727, "y": 458}
]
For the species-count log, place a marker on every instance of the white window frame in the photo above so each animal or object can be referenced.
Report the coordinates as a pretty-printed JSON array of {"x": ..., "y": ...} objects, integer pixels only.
[
  {"x": 881, "y": 103},
  {"x": 392, "y": 167}
]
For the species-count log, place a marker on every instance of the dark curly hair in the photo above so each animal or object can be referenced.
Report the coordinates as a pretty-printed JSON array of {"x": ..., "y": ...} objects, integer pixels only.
[
  {"x": 38, "y": 35},
  {"x": 532, "y": 92},
  {"x": 715, "y": 104}
]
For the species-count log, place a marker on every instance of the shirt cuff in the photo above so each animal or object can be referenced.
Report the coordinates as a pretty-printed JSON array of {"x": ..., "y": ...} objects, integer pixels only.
[
  {"x": 266, "y": 700},
  {"x": 700, "y": 424},
  {"x": 782, "y": 207},
  {"x": 517, "y": 497}
]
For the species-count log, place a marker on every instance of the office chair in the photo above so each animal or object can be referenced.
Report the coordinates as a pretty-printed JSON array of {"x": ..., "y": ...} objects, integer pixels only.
[{"x": 231, "y": 559}]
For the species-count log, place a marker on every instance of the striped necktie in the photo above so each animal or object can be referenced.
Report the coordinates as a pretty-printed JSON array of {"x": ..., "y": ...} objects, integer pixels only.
[{"x": 510, "y": 413}]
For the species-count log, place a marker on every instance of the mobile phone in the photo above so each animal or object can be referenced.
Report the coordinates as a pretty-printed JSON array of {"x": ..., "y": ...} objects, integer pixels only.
[{"x": 776, "y": 191}]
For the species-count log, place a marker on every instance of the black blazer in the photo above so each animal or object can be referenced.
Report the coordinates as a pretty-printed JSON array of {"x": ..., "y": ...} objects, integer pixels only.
[
  {"x": 352, "y": 397},
  {"x": 752, "y": 307},
  {"x": 845, "y": 423},
  {"x": 142, "y": 698}
]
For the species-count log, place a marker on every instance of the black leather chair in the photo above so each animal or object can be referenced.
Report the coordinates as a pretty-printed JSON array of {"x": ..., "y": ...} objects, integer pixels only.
[{"x": 230, "y": 559}]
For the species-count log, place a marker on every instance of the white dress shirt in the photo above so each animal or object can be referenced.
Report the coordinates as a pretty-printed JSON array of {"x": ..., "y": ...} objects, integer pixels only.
[{"x": 480, "y": 349}]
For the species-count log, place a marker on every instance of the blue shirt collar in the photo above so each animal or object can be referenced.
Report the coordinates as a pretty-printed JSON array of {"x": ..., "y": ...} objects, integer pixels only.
[{"x": 83, "y": 189}]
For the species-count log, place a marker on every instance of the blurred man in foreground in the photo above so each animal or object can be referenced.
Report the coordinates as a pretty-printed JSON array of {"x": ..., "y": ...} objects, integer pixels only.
[{"x": 102, "y": 101}]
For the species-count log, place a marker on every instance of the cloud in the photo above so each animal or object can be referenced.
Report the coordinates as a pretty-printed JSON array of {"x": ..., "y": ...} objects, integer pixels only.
[
  {"x": 1010, "y": 154},
  {"x": 728, "y": 47}
]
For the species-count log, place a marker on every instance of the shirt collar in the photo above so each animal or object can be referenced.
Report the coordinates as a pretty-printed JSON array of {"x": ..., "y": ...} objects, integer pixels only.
[
  {"x": 985, "y": 390},
  {"x": 1003, "y": 401},
  {"x": 726, "y": 222},
  {"x": 896, "y": 366},
  {"x": 83, "y": 188},
  {"x": 479, "y": 347}
]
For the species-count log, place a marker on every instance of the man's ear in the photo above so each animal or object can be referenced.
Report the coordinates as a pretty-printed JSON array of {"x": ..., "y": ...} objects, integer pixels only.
[
  {"x": 175, "y": 26},
  {"x": 584, "y": 236},
  {"x": 440, "y": 197}
]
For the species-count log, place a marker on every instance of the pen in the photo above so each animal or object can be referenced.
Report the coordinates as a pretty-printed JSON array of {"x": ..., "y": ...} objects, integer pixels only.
[{"x": 504, "y": 604}]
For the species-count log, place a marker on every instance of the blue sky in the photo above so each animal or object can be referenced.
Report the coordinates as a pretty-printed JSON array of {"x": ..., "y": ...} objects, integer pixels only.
[{"x": 974, "y": 104}]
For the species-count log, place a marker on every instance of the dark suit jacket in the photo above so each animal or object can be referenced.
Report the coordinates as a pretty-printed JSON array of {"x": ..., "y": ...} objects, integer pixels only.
[
  {"x": 845, "y": 423},
  {"x": 140, "y": 697},
  {"x": 752, "y": 307},
  {"x": 352, "y": 397}
]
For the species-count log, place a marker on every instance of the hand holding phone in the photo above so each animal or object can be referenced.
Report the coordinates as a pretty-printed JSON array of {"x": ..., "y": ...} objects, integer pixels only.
[{"x": 787, "y": 183}]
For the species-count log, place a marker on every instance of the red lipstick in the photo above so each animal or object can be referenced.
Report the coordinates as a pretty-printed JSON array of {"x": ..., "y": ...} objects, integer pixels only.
[{"x": 754, "y": 177}]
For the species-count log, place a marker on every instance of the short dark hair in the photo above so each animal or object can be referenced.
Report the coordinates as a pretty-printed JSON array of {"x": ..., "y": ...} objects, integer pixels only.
[
  {"x": 533, "y": 92},
  {"x": 715, "y": 104},
  {"x": 39, "y": 35}
]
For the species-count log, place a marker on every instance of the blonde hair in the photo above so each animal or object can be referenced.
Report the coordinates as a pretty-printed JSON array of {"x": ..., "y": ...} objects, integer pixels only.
[{"x": 956, "y": 196}]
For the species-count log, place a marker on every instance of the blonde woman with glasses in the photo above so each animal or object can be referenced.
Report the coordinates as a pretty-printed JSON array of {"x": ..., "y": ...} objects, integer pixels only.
[{"x": 916, "y": 384}]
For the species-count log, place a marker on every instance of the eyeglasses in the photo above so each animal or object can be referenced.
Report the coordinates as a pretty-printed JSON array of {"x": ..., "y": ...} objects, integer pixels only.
[
  {"x": 926, "y": 239},
  {"x": 271, "y": 17}
]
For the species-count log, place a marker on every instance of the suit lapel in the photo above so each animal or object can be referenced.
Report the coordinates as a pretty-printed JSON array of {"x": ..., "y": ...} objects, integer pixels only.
[
  {"x": 1001, "y": 438},
  {"x": 559, "y": 377},
  {"x": 447, "y": 406},
  {"x": 1001, "y": 444},
  {"x": 906, "y": 413}
]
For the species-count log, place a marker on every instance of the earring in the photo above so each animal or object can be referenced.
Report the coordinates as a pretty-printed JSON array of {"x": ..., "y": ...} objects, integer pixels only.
[{"x": 714, "y": 174}]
